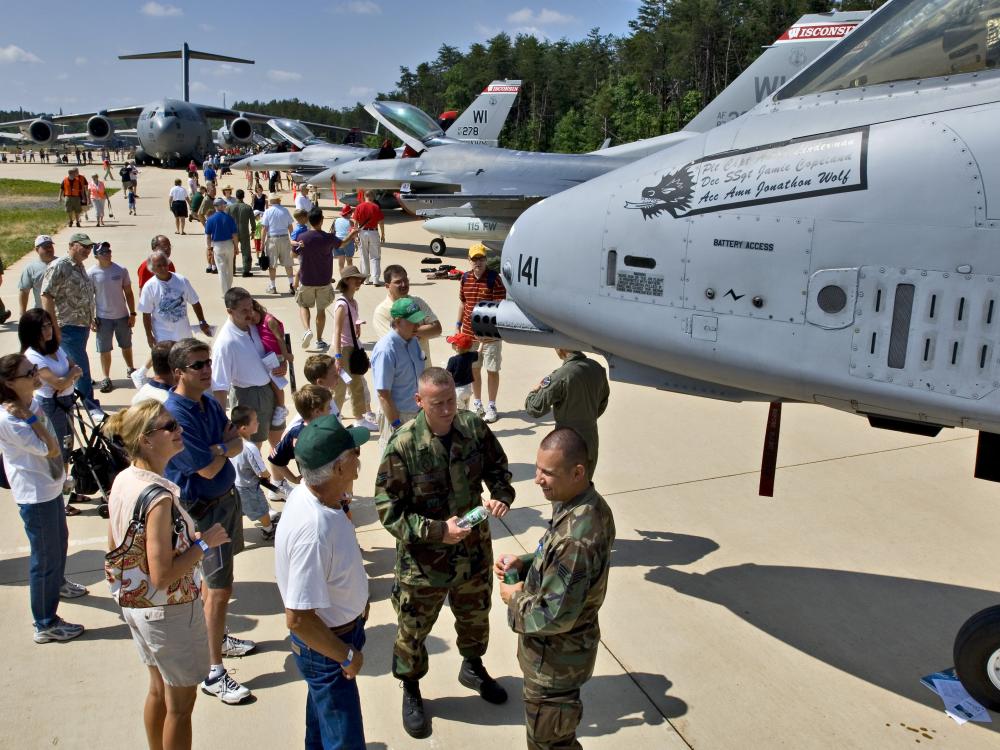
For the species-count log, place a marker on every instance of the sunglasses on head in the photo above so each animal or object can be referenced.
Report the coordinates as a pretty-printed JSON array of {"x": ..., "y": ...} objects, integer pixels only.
[
  {"x": 29, "y": 374},
  {"x": 201, "y": 364},
  {"x": 169, "y": 426}
]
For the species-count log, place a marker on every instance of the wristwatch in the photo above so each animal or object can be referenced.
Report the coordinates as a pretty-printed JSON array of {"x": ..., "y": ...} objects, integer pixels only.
[
  {"x": 350, "y": 658},
  {"x": 222, "y": 448}
]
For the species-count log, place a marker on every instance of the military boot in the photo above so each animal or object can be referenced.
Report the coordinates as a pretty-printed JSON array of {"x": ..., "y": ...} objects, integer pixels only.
[
  {"x": 414, "y": 719},
  {"x": 474, "y": 676}
]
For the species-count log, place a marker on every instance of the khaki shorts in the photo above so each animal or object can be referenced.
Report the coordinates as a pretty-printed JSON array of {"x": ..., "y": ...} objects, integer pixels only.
[
  {"x": 74, "y": 206},
  {"x": 173, "y": 639},
  {"x": 320, "y": 297},
  {"x": 489, "y": 355},
  {"x": 260, "y": 398},
  {"x": 279, "y": 250}
]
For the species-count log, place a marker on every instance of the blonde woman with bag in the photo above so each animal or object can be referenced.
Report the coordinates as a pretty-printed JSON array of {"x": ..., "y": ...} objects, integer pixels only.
[{"x": 150, "y": 531}]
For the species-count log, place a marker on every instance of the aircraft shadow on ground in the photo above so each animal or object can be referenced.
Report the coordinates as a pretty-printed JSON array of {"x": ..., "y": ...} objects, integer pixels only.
[{"x": 886, "y": 630}]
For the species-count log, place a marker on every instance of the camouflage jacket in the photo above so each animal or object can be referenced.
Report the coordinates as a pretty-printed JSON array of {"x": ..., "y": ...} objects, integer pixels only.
[
  {"x": 556, "y": 612},
  {"x": 419, "y": 487},
  {"x": 577, "y": 393}
]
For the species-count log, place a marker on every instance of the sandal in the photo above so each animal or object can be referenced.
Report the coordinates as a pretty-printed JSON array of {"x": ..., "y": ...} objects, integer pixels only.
[{"x": 72, "y": 511}]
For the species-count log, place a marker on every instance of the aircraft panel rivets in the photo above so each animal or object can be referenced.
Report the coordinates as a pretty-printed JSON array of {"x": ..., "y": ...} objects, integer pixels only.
[
  {"x": 710, "y": 293},
  {"x": 757, "y": 301}
]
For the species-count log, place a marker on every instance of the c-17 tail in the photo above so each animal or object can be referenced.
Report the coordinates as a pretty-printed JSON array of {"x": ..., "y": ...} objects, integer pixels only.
[{"x": 482, "y": 121}]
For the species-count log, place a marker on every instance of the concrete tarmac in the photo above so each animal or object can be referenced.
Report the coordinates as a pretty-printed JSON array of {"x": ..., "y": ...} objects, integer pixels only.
[{"x": 732, "y": 621}]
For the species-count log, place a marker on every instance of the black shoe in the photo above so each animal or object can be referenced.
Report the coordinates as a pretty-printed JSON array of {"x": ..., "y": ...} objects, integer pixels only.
[
  {"x": 414, "y": 719},
  {"x": 475, "y": 677},
  {"x": 247, "y": 274},
  {"x": 107, "y": 386},
  {"x": 5, "y": 317}
]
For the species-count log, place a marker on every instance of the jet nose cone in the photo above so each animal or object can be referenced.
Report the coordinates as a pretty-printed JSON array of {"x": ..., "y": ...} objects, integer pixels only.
[
  {"x": 246, "y": 163},
  {"x": 322, "y": 179}
]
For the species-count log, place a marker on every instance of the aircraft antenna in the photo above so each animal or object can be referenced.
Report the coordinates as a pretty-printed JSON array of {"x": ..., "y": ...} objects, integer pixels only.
[{"x": 185, "y": 54}]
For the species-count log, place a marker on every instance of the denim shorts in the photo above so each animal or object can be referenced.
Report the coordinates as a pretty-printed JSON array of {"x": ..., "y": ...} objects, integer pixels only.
[
  {"x": 119, "y": 327},
  {"x": 255, "y": 505}
]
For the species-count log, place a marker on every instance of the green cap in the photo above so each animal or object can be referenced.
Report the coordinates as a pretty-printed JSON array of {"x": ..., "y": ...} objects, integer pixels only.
[
  {"x": 406, "y": 308},
  {"x": 325, "y": 439},
  {"x": 81, "y": 238}
]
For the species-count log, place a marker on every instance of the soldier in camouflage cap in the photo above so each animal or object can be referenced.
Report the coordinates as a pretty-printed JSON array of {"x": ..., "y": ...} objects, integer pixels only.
[
  {"x": 554, "y": 606},
  {"x": 432, "y": 473}
]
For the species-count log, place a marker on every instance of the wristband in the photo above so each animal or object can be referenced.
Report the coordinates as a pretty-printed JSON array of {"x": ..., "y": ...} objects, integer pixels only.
[
  {"x": 203, "y": 322},
  {"x": 396, "y": 422},
  {"x": 222, "y": 449},
  {"x": 350, "y": 658},
  {"x": 201, "y": 543},
  {"x": 32, "y": 419},
  {"x": 338, "y": 356}
]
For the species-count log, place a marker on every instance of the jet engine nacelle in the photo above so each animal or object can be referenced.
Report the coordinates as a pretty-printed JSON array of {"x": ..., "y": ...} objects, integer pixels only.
[
  {"x": 240, "y": 130},
  {"x": 505, "y": 320},
  {"x": 100, "y": 128},
  {"x": 42, "y": 131}
]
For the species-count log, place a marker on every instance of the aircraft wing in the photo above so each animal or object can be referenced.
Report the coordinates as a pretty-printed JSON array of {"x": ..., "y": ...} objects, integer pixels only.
[
  {"x": 125, "y": 112},
  {"x": 229, "y": 114},
  {"x": 438, "y": 205}
]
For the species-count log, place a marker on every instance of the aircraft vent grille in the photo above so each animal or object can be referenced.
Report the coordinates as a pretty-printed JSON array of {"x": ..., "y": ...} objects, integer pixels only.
[{"x": 931, "y": 330}]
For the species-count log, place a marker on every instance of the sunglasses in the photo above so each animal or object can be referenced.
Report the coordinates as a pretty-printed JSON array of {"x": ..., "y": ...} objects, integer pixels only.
[
  {"x": 201, "y": 364},
  {"x": 170, "y": 426},
  {"x": 29, "y": 374}
]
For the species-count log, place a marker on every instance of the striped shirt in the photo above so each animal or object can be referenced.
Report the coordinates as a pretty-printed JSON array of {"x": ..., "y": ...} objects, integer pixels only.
[{"x": 473, "y": 291}]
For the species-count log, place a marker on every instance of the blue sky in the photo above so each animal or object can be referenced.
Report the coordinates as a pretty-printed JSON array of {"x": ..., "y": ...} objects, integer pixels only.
[{"x": 64, "y": 53}]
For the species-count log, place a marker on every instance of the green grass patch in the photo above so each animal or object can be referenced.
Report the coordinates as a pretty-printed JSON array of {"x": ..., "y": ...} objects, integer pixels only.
[{"x": 28, "y": 208}]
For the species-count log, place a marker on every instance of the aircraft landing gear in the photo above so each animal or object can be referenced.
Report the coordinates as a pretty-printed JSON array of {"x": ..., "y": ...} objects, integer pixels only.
[
  {"x": 438, "y": 246},
  {"x": 977, "y": 656}
]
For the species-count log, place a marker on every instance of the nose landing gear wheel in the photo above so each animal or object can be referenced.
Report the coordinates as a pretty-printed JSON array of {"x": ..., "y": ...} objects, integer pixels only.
[
  {"x": 438, "y": 246},
  {"x": 977, "y": 656}
]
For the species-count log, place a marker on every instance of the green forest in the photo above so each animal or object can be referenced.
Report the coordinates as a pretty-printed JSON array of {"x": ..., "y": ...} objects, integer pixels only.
[{"x": 678, "y": 56}]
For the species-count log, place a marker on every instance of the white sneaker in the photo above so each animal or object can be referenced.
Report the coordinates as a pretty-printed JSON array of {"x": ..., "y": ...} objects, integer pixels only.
[
  {"x": 279, "y": 416},
  {"x": 321, "y": 345},
  {"x": 139, "y": 377},
  {"x": 491, "y": 414},
  {"x": 369, "y": 416},
  {"x": 306, "y": 338},
  {"x": 61, "y": 631},
  {"x": 226, "y": 689},
  {"x": 233, "y": 646},
  {"x": 477, "y": 407},
  {"x": 271, "y": 289},
  {"x": 72, "y": 590},
  {"x": 367, "y": 424}
]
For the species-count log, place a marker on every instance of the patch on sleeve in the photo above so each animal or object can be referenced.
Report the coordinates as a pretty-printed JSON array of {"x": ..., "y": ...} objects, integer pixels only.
[
  {"x": 546, "y": 381},
  {"x": 569, "y": 578}
]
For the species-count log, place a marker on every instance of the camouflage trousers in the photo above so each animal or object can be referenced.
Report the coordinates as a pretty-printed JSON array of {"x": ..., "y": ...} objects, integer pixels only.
[
  {"x": 551, "y": 717},
  {"x": 417, "y": 609}
]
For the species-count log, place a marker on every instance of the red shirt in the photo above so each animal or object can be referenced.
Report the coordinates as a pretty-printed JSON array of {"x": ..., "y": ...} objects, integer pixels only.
[
  {"x": 473, "y": 290},
  {"x": 368, "y": 215},
  {"x": 145, "y": 274}
]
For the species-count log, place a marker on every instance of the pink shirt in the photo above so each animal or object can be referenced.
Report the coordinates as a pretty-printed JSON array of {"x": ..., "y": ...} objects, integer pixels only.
[
  {"x": 345, "y": 331},
  {"x": 267, "y": 337}
]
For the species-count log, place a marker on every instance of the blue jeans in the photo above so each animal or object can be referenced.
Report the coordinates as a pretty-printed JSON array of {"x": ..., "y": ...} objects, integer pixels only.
[
  {"x": 74, "y": 344},
  {"x": 58, "y": 409},
  {"x": 333, "y": 707},
  {"x": 48, "y": 537}
]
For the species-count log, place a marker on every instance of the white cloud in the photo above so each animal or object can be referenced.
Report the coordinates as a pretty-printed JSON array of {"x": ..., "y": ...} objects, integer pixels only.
[
  {"x": 80, "y": 61},
  {"x": 161, "y": 11},
  {"x": 361, "y": 91},
  {"x": 198, "y": 87},
  {"x": 528, "y": 17},
  {"x": 487, "y": 31},
  {"x": 283, "y": 76},
  {"x": 62, "y": 77},
  {"x": 226, "y": 69},
  {"x": 206, "y": 27},
  {"x": 14, "y": 54},
  {"x": 359, "y": 8}
]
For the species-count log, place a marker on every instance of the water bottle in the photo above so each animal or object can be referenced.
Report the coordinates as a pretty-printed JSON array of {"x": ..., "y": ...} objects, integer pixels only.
[{"x": 475, "y": 516}]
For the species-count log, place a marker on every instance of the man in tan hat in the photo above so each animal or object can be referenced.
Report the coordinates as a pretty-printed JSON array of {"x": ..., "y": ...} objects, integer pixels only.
[
  {"x": 277, "y": 241},
  {"x": 74, "y": 191},
  {"x": 316, "y": 249}
]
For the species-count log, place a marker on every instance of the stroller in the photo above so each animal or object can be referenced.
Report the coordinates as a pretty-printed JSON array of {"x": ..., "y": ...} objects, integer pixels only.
[{"x": 96, "y": 460}]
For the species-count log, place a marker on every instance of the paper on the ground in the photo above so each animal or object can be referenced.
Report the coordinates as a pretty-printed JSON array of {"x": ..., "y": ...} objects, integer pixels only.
[{"x": 958, "y": 704}]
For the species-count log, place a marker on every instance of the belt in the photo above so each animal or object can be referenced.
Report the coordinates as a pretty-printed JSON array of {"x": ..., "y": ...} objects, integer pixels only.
[{"x": 201, "y": 506}]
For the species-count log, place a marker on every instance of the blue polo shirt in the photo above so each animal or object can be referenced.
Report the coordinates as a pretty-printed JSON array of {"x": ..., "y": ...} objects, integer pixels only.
[
  {"x": 396, "y": 365},
  {"x": 220, "y": 226},
  {"x": 204, "y": 424}
]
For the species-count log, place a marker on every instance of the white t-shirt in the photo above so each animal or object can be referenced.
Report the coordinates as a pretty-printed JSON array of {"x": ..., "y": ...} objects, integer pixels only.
[
  {"x": 303, "y": 203},
  {"x": 317, "y": 560},
  {"x": 178, "y": 193},
  {"x": 167, "y": 302},
  {"x": 236, "y": 358},
  {"x": 58, "y": 363},
  {"x": 150, "y": 391},
  {"x": 34, "y": 478}
]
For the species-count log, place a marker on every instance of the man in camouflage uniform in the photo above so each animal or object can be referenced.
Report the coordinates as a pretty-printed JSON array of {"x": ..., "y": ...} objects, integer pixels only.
[
  {"x": 431, "y": 474},
  {"x": 562, "y": 586},
  {"x": 577, "y": 393}
]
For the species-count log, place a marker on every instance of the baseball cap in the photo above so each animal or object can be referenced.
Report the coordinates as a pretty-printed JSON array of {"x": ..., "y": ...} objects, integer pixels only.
[
  {"x": 102, "y": 248},
  {"x": 461, "y": 340},
  {"x": 43, "y": 239},
  {"x": 407, "y": 309},
  {"x": 346, "y": 210},
  {"x": 219, "y": 202},
  {"x": 325, "y": 439},
  {"x": 81, "y": 238},
  {"x": 477, "y": 250}
]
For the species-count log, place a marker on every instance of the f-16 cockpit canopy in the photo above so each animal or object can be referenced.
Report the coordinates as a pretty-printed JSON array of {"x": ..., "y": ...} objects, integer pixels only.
[
  {"x": 906, "y": 40},
  {"x": 294, "y": 131},
  {"x": 411, "y": 120}
]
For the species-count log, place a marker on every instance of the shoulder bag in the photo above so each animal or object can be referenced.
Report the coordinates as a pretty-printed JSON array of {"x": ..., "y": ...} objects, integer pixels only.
[{"x": 358, "y": 363}]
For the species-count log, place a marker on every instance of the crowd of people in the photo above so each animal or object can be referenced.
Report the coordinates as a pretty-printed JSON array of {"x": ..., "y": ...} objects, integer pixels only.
[{"x": 195, "y": 436}]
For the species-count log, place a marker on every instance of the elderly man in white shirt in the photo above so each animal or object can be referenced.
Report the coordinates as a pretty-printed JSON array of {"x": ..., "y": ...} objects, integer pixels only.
[
  {"x": 276, "y": 239},
  {"x": 240, "y": 362},
  {"x": 302, "y": 201}
]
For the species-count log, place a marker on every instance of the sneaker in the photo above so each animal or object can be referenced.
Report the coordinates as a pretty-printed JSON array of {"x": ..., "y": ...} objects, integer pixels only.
[
  {"x": 490, "y": 414},
  {"x": 247, "y": 274},
  {"x": 415, "y": 720},
  {"x": 226, "y": 689},
  {"x": 138, "y": 377},
  {"x": 208, "y": 269},
  {"x": 321, "y": 345},
  {"x": 306, "y": 338},
  {"x": 129, "y": 372},
  {"x": 367, "y": 424},
  {"x": 477, "y": 407},
  {"x": 6, "y": 316},
  {"x": 233, "y": 646},
  {"x": 291, "y": 288},
  {"x": 61, "y": 631},
  {"x": 267, "y": 532},
  {"x": 72, "y": 590},
  {"x": 106, "y": 385},
  {"x": 474, "y": 676},
  {"x": 279, "y": 416},
  {"x": 275, "y": 515}
]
